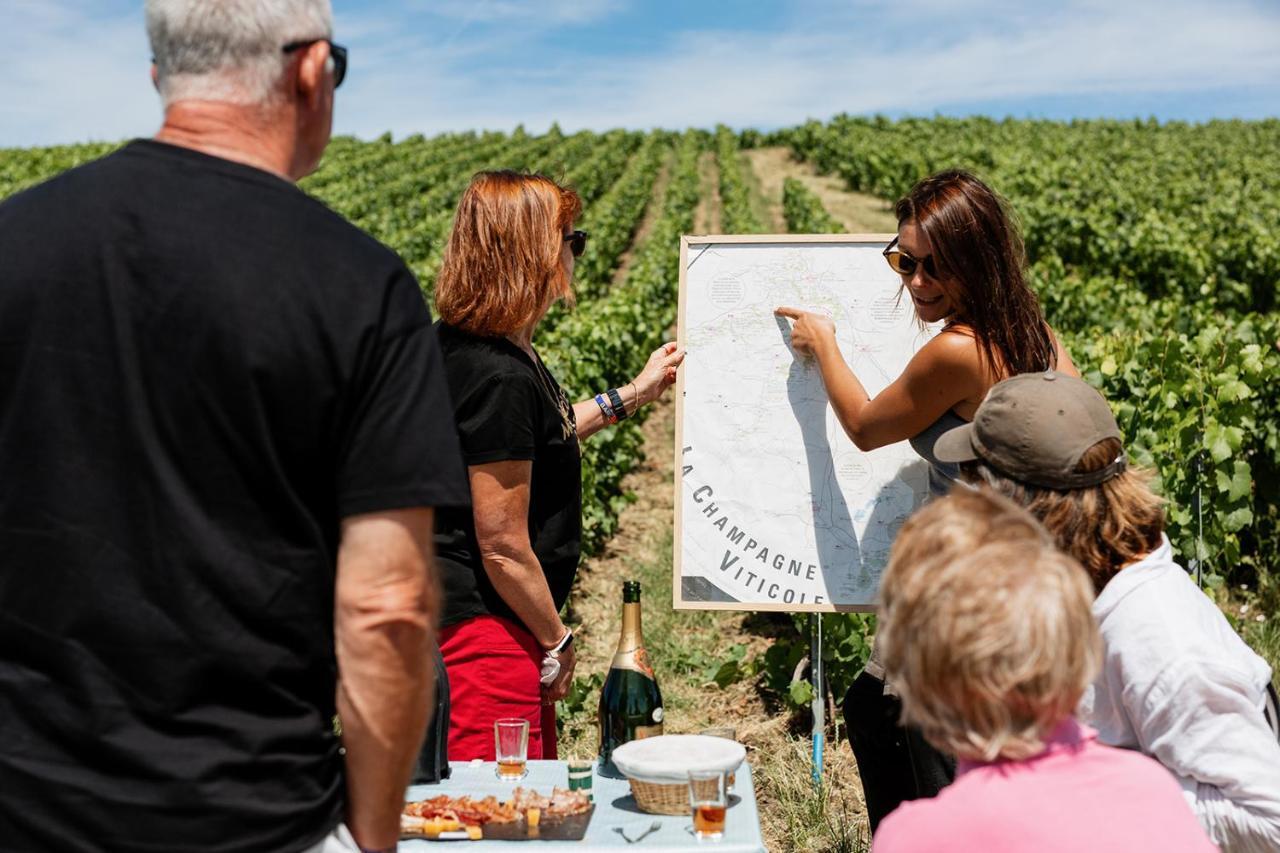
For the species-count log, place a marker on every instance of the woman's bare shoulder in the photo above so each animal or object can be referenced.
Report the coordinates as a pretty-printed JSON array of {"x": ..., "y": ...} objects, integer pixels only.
[
  {"x": 951, "y": 360},
  {"x": 953, "y": 348},
  {"x": 948, "y": 364}
]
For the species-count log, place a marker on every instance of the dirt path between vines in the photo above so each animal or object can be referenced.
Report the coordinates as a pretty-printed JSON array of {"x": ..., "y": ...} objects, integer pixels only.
[
  {"x": 707, "y": 219},
  {"x": 686, "y": 647},
  {"x": 641, "y": 549},
  {"x": 859, "y": 213},
  {"x": 642, "y": 527},
  {"x": 652, "y": 210}
]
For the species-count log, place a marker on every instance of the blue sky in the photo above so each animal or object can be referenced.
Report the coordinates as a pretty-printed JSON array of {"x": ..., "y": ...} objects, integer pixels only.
[{"x": 77, "y": 69}]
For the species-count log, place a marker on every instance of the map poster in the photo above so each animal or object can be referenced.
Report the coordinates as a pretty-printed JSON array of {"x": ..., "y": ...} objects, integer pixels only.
[{"x": 776, "y": 509}]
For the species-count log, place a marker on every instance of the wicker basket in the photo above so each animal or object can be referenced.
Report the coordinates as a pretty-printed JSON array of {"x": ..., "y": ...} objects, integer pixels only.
[
  {"x": 658, "y": 768},
  {"x": 666, "y": 798}
]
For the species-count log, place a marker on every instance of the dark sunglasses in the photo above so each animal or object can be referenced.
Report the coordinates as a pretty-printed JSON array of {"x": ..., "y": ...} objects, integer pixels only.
[
  {"x": 577, "y": 241},
  {"x": 337, "y": 51},
  {"x": 904, "y": 264}
]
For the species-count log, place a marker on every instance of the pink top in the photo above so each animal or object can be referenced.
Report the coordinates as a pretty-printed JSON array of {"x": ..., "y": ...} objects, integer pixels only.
[{"x": 1076, "y": 795}]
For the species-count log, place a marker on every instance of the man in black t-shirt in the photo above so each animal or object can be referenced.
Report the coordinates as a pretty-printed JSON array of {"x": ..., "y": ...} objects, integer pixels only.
[{"x": 223, "y": 425}]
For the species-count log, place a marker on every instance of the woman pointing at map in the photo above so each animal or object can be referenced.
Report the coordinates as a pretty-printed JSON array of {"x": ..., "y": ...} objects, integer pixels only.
[{"x": 962, "y": 263}]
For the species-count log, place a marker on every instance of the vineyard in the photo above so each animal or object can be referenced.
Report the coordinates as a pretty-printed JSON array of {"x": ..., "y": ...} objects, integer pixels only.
[{"x": 1153, "y": 247}]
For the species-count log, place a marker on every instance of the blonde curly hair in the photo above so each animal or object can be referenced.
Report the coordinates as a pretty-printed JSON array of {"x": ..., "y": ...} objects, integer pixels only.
[{"x": 985, "y": 627}]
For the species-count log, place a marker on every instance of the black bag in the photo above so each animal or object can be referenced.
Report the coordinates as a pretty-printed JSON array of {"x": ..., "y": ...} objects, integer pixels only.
[
  {"x": 895, "y": 762},
  {"x": 433, "y": 760}
]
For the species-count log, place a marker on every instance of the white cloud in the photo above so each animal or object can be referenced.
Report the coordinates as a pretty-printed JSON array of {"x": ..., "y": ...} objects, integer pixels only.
[
  {"x": 506, "y": 11},
  {"x": 833, "y": 62},
  {"x": 71, "y": 76},
  {"x": 828, "y": 56}
]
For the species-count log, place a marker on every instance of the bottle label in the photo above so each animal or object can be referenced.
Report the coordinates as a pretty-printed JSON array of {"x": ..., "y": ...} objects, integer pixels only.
[
  {"x": 642, "y": 662},
  {"x": 643, "y": 732},
  {"x": 636, "y": 660}
]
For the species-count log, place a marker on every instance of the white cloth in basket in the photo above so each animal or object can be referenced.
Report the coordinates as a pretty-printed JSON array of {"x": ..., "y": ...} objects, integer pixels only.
[{"x": 667, "y": 759}]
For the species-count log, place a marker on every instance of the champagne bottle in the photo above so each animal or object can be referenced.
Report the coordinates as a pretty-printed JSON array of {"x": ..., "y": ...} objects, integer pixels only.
[{"x": 630, "y": 703}]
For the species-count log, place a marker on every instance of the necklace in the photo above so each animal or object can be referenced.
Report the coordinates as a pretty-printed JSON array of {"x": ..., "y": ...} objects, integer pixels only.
[
  {"x": 568, "y": 424},
  {"x": 558, "y": 398}
]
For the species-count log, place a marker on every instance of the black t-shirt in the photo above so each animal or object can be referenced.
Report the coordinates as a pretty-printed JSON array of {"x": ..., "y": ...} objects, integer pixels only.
[
  {"x": 509, "y": 407},
  {"x": 202, "y": 371}
]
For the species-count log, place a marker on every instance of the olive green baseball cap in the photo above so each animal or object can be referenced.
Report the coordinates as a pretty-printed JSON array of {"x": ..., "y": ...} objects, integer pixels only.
[{"x": 1034, "y": 428}]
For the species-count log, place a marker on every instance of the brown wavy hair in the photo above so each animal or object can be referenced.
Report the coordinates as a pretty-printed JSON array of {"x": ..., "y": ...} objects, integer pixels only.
[
  {"x": 501, "y": 268},
  {"x": 1105, "y": 526},
  {"x": 981, "y": 261}
]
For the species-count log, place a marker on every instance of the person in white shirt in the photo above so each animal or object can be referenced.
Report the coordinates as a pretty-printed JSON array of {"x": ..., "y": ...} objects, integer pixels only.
[{"x": 1177, "y": 682}]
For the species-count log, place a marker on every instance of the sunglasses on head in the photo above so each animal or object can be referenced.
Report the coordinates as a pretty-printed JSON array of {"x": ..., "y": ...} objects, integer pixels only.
[
  {"x": 904, "y": 264},
  {"x": 577, "y": 241},
  {"x": 337, "y": 51}
]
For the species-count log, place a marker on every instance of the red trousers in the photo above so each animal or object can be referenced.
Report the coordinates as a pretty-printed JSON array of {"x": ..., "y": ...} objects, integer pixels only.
[{"x": 494, "y": 665}]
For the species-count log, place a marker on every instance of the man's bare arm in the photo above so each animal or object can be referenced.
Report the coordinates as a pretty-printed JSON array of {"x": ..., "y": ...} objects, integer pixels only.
[{"x": 385, "y": 613}]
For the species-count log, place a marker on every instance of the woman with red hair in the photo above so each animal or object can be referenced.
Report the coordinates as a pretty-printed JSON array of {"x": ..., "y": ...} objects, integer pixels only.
[
  {"x": 962, "y": 262},
  {"x": 508, "y": 562}
]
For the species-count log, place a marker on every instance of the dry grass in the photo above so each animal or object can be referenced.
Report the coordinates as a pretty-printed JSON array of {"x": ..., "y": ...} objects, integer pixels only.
[
  {"x": 860, "y": 214},
  {"x": 760, "y": 200},
  {"x": 1256, "y": 618},
  {"x": 707, "y": 218},
  {"x": 1264, "y": 637},
  {"x": 796, "y": 817}
]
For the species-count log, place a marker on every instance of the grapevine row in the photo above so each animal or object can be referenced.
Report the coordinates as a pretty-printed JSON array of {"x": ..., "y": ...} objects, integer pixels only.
[
  {"x": 735, "y": 197},
  {"x": 1154, "y": 251},
  {"x": 803, "y": 211},
  {"x": 611, "y": 223},
  {"x": 432, "y": 231},
  {"x": 1187, "y": 211},
  {"x": 606, "y": 342}
]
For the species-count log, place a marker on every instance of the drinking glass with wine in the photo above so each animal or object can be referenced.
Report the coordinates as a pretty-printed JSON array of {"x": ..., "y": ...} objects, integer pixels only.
[
  {"x": 511, "y": 746},
  {"x": 709, "y": 802}
]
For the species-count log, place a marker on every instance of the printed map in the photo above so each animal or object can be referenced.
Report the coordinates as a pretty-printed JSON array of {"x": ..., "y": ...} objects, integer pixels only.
[{"x": 778, "y": 509}]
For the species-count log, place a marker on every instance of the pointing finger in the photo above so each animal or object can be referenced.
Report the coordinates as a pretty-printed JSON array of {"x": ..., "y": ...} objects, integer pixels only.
[{"x": 793, "y": 313}]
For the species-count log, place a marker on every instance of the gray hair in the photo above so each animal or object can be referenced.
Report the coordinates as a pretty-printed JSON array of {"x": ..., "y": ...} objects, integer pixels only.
[{"x": 229, "y": 50}]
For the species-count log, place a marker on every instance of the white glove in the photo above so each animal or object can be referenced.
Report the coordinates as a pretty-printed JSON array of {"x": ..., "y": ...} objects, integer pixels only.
[{"x": 550, "y": 669}]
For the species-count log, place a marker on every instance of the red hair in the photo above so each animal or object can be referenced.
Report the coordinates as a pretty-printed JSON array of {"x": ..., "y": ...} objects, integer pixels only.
[{"x": 501, "y": 268}]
